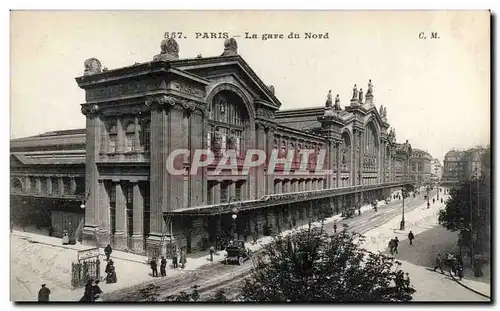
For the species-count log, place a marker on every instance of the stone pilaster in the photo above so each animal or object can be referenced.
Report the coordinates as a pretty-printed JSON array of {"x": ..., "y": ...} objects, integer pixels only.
[
  {"x": 197, "y": 136},
  {"x": 337, "y": 149},
  {"x": 331, "y": 165},
  {"x": 137, "y": 138},
  {"x": 216, "y": 192},
  {"x": 361, "y": 156},
  {"x": 91, "y": 174},
  {"x": 269, "y": 149},
  {"x": 138, "y": 219},
  {"x": 121, "y": 218},
  {"x": 176, "y": 140},
  {"x": 260, "y": 135},
  {"x": 60, "y": 184}
]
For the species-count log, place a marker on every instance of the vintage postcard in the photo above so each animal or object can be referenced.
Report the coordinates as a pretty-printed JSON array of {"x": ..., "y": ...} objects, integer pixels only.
[{"x": 250, "y": 156}]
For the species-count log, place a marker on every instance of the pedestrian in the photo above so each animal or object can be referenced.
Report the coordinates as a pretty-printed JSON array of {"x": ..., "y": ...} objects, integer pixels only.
[
  {"x": 163, "y": 266},
  {"x": 391, "y": 246},
  {"x": 433, "y": 200},
  {"x": 439, "y": 263},
  {"x": 335, "y": 227},
  {"x": 87, "y": 294},
  {"x": 396, "y": 243},
  {"x": 212, "y": 251},
  {"x": 182, "y": 258},
  {"x": 96, "y": 291},
  {"x": 154, "y": 267},
  {"x": 174, "y": 259},
  {"x": 44, "y": 294},
  {"x": 411, "y": 237},
  {"x": 107, "y": 252},
  {"x": 111, "y": 277},
  {"x": 460, "y": 270},
  {"x": 441, "y": 200}
]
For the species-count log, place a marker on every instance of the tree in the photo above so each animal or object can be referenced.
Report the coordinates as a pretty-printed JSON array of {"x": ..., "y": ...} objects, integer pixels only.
[
  {"x": 467, "y": 206},
  {"x": 321, "y": 268}
]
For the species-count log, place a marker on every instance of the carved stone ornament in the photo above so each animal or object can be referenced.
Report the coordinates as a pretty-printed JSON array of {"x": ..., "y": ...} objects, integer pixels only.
[
  {"x": 370, "y": 88},
  {"x": 271, "y": 88},
  {"x": 89, "y": 109},
  {"x": 337, "y": 103},
  {"x": 329, "y": 101},
  {"x": 92, "y": 66},
  {"x": 169, "y": 50},
  {"x": 354, "y": 92},
  {"x": 230, "y": 47}
]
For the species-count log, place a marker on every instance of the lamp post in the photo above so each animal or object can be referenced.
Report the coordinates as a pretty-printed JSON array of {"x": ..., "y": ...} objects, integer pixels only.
[
  {"x": 402, "y": 224},
  {"x": 234, "y": 210},
  {"x": 428, "y": 190}
]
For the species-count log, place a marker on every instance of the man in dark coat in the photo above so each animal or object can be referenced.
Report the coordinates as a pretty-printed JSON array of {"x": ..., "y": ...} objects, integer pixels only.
[
  {"x": 154, "y": 266},
  {"x": 87, "y": 294},
  {"x": 107, "y": 252},
  {"x": 396, "y": 243},
  {"x": 96, "y": 291},
  {"x": 44, "y": 294},
  {"x": 411, "y": 237},
  {"x": 163, "y": 266},
  {"x": 439, "y": 263}
]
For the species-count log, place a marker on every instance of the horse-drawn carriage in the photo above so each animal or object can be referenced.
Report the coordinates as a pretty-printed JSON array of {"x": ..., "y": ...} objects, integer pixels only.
[{"x": 237, "y": 253}]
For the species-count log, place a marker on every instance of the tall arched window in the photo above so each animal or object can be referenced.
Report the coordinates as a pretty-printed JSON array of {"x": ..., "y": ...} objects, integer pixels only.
[
  {"x": 112, "y": 134},
  {"x": 226, "y": 126},
  {"x": 345, "y": 149},
  {"x": 130, "y": 137}
]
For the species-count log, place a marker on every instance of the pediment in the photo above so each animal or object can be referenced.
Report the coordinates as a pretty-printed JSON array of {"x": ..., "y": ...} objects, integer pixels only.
[{"x": 235, "y": 69}]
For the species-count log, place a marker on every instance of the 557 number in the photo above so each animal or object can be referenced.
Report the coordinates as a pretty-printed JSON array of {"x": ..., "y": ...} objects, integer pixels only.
[{"x": 173, "y": 35}]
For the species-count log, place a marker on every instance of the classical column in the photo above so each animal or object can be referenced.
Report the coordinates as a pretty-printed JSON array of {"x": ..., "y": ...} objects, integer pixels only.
[
  {"x": 354, "y": 158},
  {"x": 138, "y": 219},
  {"x": 104, "y": 219},
  {"x": 60, "y": 184},
  {"x": 121, "y": 218},
  {"x": 198, "y": 137},
  {"x": 330, "y": 163},
  {"x": 120, "y": 136},
  {"x": 337, "y": 148},
  {"x": 216, "y": 192},
  {"x": 49, "y": 185},
  {"x": 159, "y": 176},
  {"x": 93, "y": 125},
  {"x": 232, "y": 190}
]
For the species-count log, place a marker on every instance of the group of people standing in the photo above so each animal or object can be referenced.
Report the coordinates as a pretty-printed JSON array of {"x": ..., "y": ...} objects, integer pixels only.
[{"x": 179, "y": 257}]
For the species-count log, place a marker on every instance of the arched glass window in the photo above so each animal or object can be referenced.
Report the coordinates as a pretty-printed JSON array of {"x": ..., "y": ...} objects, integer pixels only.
[
  {"x": 226, "y": 123},
  {"x": 112, "y": 134},
  {"x": 130, "y": 137}
]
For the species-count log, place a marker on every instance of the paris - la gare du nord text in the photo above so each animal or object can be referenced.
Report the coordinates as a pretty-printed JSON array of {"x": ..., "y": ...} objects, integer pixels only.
[{"x": 293, "y": 162}]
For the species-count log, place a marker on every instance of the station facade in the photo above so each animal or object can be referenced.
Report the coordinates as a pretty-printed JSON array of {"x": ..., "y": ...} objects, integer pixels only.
[{"x": 116, "y": 169}]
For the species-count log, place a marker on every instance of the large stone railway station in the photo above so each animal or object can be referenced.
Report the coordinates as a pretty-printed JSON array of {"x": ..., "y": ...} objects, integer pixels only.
[{"x": 109, "y": 182}]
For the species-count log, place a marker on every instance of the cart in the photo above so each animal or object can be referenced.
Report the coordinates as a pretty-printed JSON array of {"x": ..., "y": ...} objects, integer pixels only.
[{"x": 237, "y": 253}]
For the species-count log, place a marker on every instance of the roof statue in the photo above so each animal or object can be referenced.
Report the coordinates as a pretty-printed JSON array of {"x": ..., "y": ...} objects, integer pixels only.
[
  {"x": 381, "y": 110},
  {"x": 271, "y": 88},
  {"x": 329, "y": 102},
  {"x": 370, "y": 88},
  {"x": 385, "y": 112},
  {"x": 169, "y": 50},
  {"x": 92, "y": 66},
  {"x": 230, "y": 47},
  {"x": 361, "y": 95},
  {"x": 337, "y": 103},
  {"x": 354, "y": 92}
]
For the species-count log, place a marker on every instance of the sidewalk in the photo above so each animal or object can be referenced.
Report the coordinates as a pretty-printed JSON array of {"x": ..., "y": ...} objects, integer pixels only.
[
  {"x": 57, "y": 242},
  {"x": 479, "y": 285}
]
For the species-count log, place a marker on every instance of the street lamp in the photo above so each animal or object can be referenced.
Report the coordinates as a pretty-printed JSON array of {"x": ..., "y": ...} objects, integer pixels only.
[
  {"x": 402, "y": 224},
  {"x": 234, "y": 210}
]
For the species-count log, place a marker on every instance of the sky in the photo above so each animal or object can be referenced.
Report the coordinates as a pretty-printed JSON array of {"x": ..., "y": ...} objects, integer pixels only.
[{"x": 436, "y": 91}]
